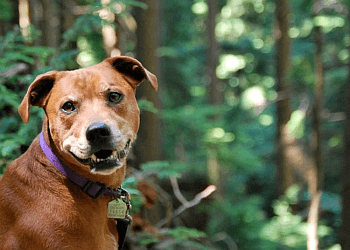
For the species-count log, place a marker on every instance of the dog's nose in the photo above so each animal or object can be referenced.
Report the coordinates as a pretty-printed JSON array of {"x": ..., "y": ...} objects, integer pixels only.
[{"x": 98, "y": 131}]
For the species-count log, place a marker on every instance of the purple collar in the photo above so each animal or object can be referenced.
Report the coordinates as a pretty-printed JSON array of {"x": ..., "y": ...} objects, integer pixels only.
[{"x": 93, "y": 189}]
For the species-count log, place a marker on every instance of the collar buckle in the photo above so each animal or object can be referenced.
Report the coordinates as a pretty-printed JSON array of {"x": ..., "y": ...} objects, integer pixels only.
[{"x": 93, "y": 189}]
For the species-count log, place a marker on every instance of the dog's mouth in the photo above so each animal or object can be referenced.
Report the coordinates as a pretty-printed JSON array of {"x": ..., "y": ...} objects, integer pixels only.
[{"x": 104, "y": 159}]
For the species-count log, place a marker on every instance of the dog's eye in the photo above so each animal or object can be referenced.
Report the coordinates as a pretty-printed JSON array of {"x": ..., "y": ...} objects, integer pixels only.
[
  {"x": 68, "y": 107},
  {"x": 114, "y": 97}
]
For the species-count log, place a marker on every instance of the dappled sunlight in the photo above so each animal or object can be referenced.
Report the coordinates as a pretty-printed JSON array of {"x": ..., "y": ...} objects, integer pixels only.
[
  {"x": 229, "y": 64},
  {"x": 200, "y": 8},
  {"x": 85, "y": 57},
  {"x": 265, "y": 120},
  {"x": 296, "y": 123},
  {"x": 219, "y": 135},
  {"x": 233, "y": 28},
  {"x": 258, "y": 43},
  {"x": 253, "y": 97},
  {"x": 344, "y": 55},
  {"x": 335, "y": 141},
  {"x": 287, "y": 228},
  {"x": 198, "y": 91},
  {"x": 328, "y": 23}
]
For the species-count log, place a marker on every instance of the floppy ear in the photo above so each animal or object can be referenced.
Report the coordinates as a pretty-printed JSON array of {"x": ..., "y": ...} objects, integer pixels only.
[
  {"x": 37, "y": 93},
  {"x": 132, "y": 70}
]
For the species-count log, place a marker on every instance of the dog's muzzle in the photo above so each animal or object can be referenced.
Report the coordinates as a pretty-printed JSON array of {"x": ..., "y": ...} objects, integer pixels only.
[{"x": 103, "y": 154}]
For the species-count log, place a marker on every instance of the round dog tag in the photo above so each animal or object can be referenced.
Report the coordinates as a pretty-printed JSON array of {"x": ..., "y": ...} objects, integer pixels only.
[{"x": 116, "y": 209}]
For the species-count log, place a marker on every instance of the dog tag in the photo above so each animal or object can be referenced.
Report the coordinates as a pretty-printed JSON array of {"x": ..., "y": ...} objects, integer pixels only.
[{"x": 116, "y": 209}]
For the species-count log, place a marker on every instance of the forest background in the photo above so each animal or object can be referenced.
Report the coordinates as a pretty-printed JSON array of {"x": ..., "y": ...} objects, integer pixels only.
[{"x": 254, "y": 99}]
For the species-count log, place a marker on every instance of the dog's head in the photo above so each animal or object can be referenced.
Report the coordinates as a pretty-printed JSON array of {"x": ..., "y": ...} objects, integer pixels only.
[{"x": 92, "y": 113}]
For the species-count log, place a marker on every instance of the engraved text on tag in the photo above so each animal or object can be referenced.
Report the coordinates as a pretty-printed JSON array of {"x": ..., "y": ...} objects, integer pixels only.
[{"x": 116, "y": 209}]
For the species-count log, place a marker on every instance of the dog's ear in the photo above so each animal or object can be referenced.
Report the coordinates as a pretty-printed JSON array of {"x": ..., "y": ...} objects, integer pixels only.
[
  {"x": 37, "y": 93},
  {"x": 132, "y": 70}
]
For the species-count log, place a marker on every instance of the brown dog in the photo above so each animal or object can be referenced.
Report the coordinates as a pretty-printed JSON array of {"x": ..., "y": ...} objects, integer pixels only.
[{"x": 91, "y": 118}]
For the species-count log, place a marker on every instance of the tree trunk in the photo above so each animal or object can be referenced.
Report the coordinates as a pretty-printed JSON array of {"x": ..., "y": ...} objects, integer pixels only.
[
  {"x": 67, "y": 14},
  {"x": 285, "y": 138},
  {"x": 121, "y": 35},
  {"x": 24, "y": 22},
  {"x": 344, "y": 232},
  {"x": 214, "y": 97},
  {"x": 148, "y": 145},
  {"x": 214, "y": 93},
  {"x": 51, "y": 23},
  {"x": 315, "y": 188},
  {"x": 36, "y": 18}
]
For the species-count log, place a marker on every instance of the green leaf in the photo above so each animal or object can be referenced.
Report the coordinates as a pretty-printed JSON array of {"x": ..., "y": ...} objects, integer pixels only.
[
  {"x": 162, "y": 168},
  {"x": 130, "y": 184},
  {"x": 5, "y": 10},
  {"x": 145, "y": 105},
  {"x": 16, "y": 56},
  {"x": 41, "y": 51},
  {"x": 8, "y": 97},
  {"x": 148, "y": 238},
  {"x": 6, "y": 123},
  {"x": 185, "y": 233},
  {"x": 134, "y": 3},
  {"x": 7, "y": 147}
]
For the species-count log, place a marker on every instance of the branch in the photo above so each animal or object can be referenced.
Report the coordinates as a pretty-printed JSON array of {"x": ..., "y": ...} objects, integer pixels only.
[
  {"x": 227, "y": 239},
  {"x": 18, "y": 69},
  {"x": 186, "y": 204},
  {"x": 176, "y": 190}
]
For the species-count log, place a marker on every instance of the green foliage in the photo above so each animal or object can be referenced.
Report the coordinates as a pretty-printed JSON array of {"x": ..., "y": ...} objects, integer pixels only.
[
  {"x": 13, "y": 50},
  {"x": 13, "y": 132},
  {"x": 145, "y": 105},
  {"x": 240, "y": 217},
  {"x": 244, "y": 135},
  {"x": 288, "y": 229},
  {"x": 162, "y": 169},
  {"x": 6, "y": 10},
  {"x": 147, "y": 239},
  {"x": 185, "y": 233},
  {"x": 188, "y": 238},
  {"x": 137, "y": 199}
]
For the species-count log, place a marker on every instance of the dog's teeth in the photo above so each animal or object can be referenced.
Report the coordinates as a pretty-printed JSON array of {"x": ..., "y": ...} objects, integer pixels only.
[
  {"x": 93, "y": 170},
  {"x": 123, "y": 153},
  {"x": 98, "y": 160},
  {"x": 115, "y": 153},
  {"x": 93, "y": 157}
]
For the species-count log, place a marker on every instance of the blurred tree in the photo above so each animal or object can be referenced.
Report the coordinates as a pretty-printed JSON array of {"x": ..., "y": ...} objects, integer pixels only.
[
  {"x": 344, "y": 232},
  {"x": 148, "y": 146},
  {"x": 315, "y": 183},
  {"x": 214, "y": 95},
  {"x": 214, "y": 90},
  {"x": 51, "y": 22},
  {"x": 285, "y": 137},
  {"x": 36, "y": 18},
  {"x": 149, "y": 139}
]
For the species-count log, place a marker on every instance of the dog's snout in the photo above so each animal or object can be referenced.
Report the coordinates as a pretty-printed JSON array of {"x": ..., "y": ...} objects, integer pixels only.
[{"x": 98, "y": 131}]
